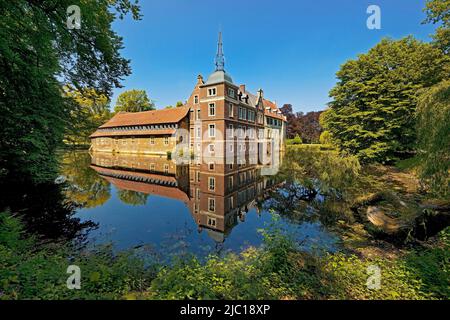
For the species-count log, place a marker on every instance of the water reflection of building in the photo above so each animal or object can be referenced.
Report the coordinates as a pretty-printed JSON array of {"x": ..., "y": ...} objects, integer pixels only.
[{"x": 218, "y": 195}]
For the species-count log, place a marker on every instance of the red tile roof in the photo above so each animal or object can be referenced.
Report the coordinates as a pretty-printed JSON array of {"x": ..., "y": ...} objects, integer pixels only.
[
  {"x": 110, "y": 171},
  {"x": 144, "y": 187},
  {"x": 163, "y": 191},
  {"x": 115, "y": 133},
  {"x": 273, "y": 112},
  {"x": 173, "y": 115}
]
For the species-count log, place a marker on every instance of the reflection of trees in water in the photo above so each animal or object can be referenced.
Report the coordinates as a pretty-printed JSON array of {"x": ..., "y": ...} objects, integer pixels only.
[
  {"x": 132, "y": 197},
  {"x": 84, "y": 185},
  {"x": 45, "y": 211},
  {"x": 316, "y": 186}
]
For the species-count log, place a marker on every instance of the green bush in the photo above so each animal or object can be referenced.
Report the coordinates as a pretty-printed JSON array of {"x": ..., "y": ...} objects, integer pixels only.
[
  {"x": 277, "y": 270},
  {"x": 32, "y": 271}
]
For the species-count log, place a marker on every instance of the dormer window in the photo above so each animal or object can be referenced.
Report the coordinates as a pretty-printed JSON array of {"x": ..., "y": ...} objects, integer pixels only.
[
  {"x": 231, "y": 93},
  {"x": 212, "y": 92}
]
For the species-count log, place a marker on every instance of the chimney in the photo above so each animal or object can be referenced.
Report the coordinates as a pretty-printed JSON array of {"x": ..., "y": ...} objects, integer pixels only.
[{"x": 242, "y": 88}]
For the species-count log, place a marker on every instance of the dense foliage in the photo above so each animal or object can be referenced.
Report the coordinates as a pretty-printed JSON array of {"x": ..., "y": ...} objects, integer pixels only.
[
  {"x": 307, "y": 125},
  {"x": 89, "y": 111},
  {"x": 438, "y": 12},
  {"x": 38, "y": 52},
  {"x": 133, "y": 101},
  {"x": 374, "y": 101},
  {"x": 277, "y": 271},
  {"x": 433, "y": 127}
]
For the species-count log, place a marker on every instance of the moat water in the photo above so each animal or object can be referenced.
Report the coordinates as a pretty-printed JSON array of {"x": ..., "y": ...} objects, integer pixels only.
[{"x": 152, "y": 203}]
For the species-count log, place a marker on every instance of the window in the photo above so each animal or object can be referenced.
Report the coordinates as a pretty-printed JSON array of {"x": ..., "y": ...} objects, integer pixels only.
[
  {"x": 166, "y": 168},
  {"x": 199, "y": 132},
  {"x": 198, "y": 114},
  {"x": 152, "y": 167},
  {"x": 198, "y": 176},
  {"x": 230, "y": 166},
  {"x": 230, "y": 110},
  {"x": 211, "y": 222},
  {"x": 211, "y": 183},
  {"x": 211, "y": 148},
  {"x": 230, "y": 131},
  {"x": 231, "y": 92},
  {"x": 230, "y": 182},
  {"x": 231, "y": 202},
  {"x": 195, "y": 99},
  {"x": 197, "y": 192},
  {"x": 230, "y": 147},
  {"x": 251, "y": 116},
  {"x": 166, "y": 140},
  {"x": 212, "y": 130},
  {"x": 211, "y": 204},
  {"x": 211, "y": 166},
  {"x": 212, "y": 92},
  {"x": 152, "y": 140},
  {"x": 212, "y": 109}
]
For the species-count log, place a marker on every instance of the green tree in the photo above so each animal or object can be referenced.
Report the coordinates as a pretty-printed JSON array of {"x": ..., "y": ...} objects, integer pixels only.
[
  {"x": 433, "y": 126},
  {"x": 132, "y": 197},
  {"x": 438, "y": 12},
  {"x": 179, "y": 104},
  {"x": 90, "y": 110},
  {"x": 297, "y": 140},
  {"x": 372, "y": 111},
  {"x": 325, "y": 138},
  {"x": 38, "y": 52},
  {"x": 133, "y": 101}
]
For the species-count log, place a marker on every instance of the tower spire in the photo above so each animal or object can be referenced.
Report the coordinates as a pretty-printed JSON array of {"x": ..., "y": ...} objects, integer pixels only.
[{"x": 220, "y": 59}]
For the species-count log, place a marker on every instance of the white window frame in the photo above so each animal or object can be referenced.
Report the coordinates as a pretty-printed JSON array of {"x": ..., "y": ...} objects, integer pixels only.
[
  {"x": 213, "y": 202},
  {"x": 213, "y": 183},
  {"x": 213, "y": 105},
  {"x": 212, "y": 126},
  {"x": 212, "y": 222},
  {"x": 212, "y": 92}
]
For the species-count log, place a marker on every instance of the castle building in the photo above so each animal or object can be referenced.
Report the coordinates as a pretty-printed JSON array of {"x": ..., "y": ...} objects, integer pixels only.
[{"x": 220, "y": 120}]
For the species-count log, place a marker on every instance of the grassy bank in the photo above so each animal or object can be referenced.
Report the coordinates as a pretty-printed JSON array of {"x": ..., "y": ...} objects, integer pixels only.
[{"x": 29, "y": 270}]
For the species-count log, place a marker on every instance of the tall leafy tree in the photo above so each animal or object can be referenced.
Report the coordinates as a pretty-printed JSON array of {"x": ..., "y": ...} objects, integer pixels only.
[
  {"x": 374, "y": 101},
  {"x": 133, "y": 101},
  {"x": 309, "y": 126},
  {"x": 90, "y": 110},
  {"x": 38, "y": 52},
  {"x": 438, "y": 12},
  {"x": 433, "y": 125}
]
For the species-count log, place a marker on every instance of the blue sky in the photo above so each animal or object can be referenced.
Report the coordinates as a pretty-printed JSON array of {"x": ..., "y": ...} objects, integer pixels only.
[{"x": 291, "y": 49}]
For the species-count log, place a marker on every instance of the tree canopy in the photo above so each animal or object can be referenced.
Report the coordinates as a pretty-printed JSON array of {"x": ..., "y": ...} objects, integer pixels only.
[
  {"x": 39, "y": 54},
  {"x": 90, "y": 110},
  {"x": 372, "y": 111},
  {"x": 433, "y": 125},
  {"x": 306, "y": 125},
  {"x": 438, "y": 12},
  {"x": 133, "y": 101}
]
